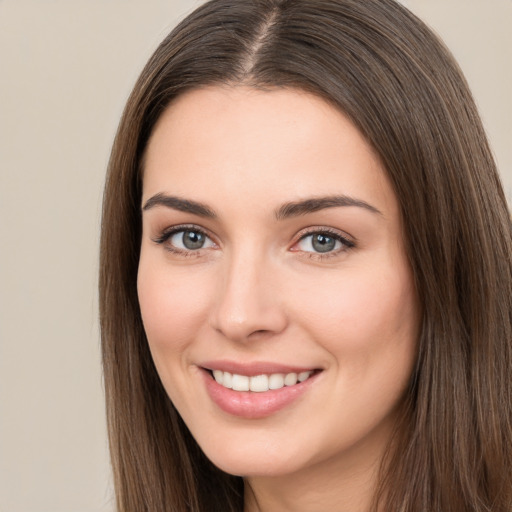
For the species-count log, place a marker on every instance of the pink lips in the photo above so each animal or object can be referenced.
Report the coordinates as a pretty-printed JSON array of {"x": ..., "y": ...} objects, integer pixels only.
[{"x": 251, "y": 405}]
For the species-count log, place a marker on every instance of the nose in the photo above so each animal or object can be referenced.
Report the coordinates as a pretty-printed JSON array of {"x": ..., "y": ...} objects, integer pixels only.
[{"x": 249, "y": 304}]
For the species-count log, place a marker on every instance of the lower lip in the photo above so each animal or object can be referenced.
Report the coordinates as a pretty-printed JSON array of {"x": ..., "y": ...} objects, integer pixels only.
[{"x": 253, "y": 405}]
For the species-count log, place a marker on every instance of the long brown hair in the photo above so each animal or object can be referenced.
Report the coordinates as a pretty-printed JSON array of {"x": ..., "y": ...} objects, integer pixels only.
[{"x": 395, "y": 80}]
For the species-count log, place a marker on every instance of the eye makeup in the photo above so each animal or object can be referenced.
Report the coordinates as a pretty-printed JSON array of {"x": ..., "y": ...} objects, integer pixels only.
[
  {"x": 321, "y": 242},
  {"x": 318, "y": 242},
  {"x": 192, "y": 242}
]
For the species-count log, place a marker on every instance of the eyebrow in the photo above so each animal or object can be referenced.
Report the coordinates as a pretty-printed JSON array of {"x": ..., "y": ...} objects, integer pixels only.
[
  {"x": 297, "y": 208},
  {"x": 177, "y": 203},
  {"x": 287, "y": 210}
]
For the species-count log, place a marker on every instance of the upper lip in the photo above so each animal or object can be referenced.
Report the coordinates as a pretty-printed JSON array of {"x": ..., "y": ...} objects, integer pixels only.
[{"x": 254, "y": 368}]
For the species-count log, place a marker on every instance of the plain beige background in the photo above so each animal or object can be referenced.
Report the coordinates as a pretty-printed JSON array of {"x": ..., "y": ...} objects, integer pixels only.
[{"x": 66, "y": 68}]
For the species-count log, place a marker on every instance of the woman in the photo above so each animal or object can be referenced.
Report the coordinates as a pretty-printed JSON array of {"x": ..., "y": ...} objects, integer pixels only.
[{"x": 306, "y": 277}]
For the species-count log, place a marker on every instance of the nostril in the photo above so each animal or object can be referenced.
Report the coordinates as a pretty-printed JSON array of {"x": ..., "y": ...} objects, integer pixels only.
[{"x": 260, "y": 333}]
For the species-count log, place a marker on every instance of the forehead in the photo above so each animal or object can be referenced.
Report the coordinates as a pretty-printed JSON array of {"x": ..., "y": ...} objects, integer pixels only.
[{"x": 221, "y": 142}]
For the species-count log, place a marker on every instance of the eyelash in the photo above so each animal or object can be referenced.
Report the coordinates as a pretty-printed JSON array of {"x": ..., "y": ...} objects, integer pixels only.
[
  {"x": 346, "y": 243},
  {"x": 168, "y": 233}
]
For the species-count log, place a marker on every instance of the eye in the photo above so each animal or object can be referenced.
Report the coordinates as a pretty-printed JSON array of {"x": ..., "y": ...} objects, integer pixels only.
[
  {"x": 323, "y": 242},
  {"x": 183, "y": 240},
  {"x": 190, "y": 240}
]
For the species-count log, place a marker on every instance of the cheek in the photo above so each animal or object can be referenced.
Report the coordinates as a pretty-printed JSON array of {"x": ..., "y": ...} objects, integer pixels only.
[
  {"x": 173, "y": 305},
  {"x": 361, "y": 311}
]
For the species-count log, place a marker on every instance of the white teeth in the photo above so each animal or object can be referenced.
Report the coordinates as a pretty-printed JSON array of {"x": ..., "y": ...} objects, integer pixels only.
[
  {"x": 240, "y": 382},
  {"x": 259, "y": 383},
  {"x": 303, "y": 376},
  {"x": 276, "y": 381},
  {"x": 290, "y": 379},
  {"x": 227, "y": 380}
]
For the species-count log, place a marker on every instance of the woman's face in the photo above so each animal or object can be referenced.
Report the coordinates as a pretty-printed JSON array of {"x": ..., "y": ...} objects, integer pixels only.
[{"x": 273, "y": 260}]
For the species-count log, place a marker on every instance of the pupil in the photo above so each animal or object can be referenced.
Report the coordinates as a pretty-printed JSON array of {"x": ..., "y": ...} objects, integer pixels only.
[
  {"x": 193, "y": 240},
  {"x": 322, "y": 243}
]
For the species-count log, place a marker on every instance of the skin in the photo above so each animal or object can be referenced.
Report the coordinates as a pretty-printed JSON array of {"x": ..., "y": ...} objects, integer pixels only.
[{"x": 258, "y": 290}]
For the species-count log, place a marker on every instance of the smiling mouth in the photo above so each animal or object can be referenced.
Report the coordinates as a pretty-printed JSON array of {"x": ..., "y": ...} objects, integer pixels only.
[
  {"x": 259, "y": 383},
  {"x": 257, "y": 390}
]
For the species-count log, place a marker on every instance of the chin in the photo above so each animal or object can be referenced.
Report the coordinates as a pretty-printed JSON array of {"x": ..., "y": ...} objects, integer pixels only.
[{"x": 247, "y": 462}]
